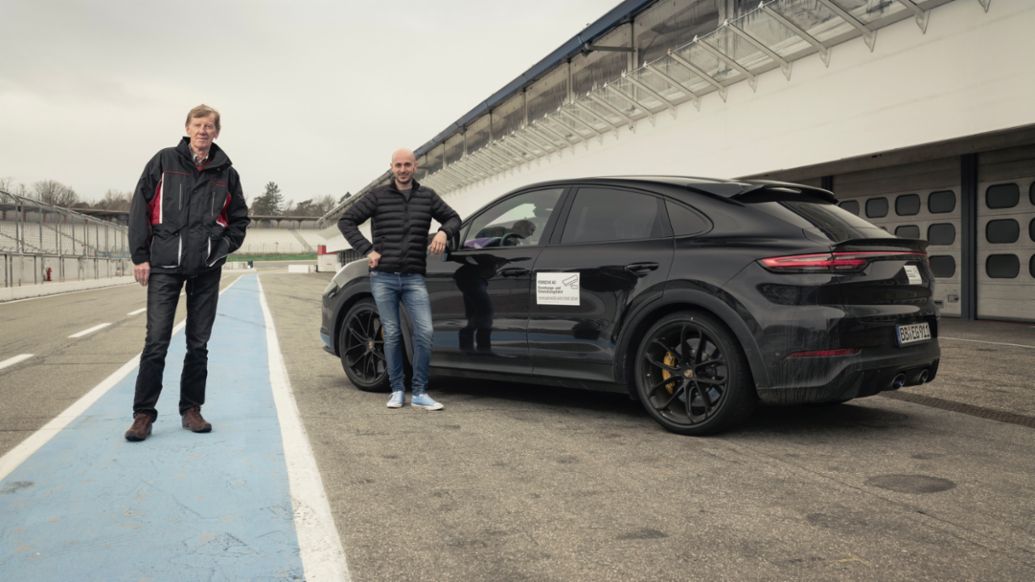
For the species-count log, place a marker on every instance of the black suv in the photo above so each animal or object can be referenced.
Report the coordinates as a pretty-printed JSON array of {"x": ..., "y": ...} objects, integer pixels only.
[{"x": 699, "y": 297}]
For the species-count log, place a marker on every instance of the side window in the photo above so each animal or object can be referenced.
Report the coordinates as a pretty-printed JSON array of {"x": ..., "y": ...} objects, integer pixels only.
[
  {"x": 941, "y": 202},
  {"x": 515, "y": 221},
  {"x": 877, "y": 207},
  {"x": 608, "y": 214},
  {"x": 1002, "y": 195},
  {"x": 907, "y": 231},
  {"x": 851, "y": 206},
  {"x": 907, "y": 205},
  {"x": 686, "y": 221}
]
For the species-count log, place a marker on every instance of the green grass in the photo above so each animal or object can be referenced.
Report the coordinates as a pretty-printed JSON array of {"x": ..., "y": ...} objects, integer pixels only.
[{"x": 273, "y": 257}]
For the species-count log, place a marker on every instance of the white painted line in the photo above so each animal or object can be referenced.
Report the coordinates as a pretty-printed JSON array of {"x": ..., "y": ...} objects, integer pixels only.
[
  {"x": 959, "y": 339},
  {"x": 63, "y": 293},
  {"x": 12, "y": 361},
  {"x": 26, "y": 448},
  {"x": 89, "y": 331},
  {"x": 16, "y": 456},
  {"x": 136, "y": 311},
  {"x": 323, "y": 557}
]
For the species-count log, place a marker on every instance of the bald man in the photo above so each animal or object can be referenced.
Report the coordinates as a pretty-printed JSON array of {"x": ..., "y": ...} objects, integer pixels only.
[{"x": 400, "y": 214}]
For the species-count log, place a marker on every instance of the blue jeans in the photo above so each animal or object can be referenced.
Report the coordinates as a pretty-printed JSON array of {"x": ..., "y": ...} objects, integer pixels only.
[{"x": 391, "y": 289}]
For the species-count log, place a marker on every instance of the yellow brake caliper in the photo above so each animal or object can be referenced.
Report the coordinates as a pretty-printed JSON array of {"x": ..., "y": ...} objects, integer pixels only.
[{"x": 670, "y": 361}]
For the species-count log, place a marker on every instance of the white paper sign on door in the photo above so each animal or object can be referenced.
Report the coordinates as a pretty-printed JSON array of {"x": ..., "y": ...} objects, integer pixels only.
[{"x": 557, "y": 288}]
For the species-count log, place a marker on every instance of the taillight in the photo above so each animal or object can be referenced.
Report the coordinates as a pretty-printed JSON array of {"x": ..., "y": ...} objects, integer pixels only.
[{"x": 835, "y": 262}]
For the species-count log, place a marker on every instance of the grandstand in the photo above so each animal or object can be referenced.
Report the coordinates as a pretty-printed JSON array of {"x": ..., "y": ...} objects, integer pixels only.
[
  {"x": 267, "y": 235},
  {"x": 40, "y": 243},
  {"x": 264, "y": 240}
]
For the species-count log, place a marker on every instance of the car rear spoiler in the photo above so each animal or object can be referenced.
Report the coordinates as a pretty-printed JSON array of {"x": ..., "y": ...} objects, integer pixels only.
[
  {"x": 890, "y": 241},
  {"x": 774, "y": 191}
]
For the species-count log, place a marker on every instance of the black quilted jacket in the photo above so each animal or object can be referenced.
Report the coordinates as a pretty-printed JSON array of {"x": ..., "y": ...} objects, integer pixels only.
[{"x": 399, "y": 227}]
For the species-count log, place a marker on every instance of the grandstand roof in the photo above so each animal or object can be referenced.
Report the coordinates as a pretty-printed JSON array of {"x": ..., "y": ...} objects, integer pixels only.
[{"x": 577, "y": 44}]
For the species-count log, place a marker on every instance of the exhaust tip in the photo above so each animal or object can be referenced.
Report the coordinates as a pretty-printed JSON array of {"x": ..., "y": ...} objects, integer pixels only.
[
  {"x": 898, "y": 381},
  {"x": 924, "y": 376}
]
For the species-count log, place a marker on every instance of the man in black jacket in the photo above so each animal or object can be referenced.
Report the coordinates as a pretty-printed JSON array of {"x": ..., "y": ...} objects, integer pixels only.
[
  {"x": 188, "y": 214},
  {"x": 401, "y": 214}
]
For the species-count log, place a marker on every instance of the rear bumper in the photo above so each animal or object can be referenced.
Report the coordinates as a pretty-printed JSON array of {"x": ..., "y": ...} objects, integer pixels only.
[{"x": 837, "y": 381}]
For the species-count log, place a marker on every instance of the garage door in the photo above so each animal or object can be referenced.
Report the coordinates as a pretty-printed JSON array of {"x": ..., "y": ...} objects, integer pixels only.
[
  {"x": 919, "y": 200},
  {"x": 1006, "y": 234}
]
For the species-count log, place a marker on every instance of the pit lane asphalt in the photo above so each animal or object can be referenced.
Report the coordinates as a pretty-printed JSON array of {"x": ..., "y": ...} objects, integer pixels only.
[{"x": 518, "y": 482}]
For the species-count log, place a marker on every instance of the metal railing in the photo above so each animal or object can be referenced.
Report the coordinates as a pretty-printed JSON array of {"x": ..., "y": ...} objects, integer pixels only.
[{"x": 40, "y": 242}]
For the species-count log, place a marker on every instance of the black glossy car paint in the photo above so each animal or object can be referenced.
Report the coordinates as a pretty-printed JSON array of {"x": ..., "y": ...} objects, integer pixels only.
[{"x": 704, "y": 254}]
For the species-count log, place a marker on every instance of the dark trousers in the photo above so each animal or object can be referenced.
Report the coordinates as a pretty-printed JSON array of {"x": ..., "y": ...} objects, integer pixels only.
[{"x": 163, "y": 294}]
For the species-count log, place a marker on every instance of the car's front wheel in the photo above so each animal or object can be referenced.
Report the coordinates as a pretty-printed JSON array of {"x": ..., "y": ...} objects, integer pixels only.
[
  {"x": 362, "y": 348},
  {"x": 692, "y": 376}
]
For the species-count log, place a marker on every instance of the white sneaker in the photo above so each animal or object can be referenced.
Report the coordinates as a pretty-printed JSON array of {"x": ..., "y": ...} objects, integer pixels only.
[
  {"x": 396, "y": 401},
  {"x": 424, "y": 401}
]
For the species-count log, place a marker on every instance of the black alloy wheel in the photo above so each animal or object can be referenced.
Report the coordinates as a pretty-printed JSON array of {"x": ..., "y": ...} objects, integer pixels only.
[
  {"x": 362, "y": 348},
  {"x": 691, "y": 375}
]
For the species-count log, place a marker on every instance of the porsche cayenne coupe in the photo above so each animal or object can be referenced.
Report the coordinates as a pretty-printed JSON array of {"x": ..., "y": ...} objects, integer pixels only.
[{"x": 699, "y": 297}]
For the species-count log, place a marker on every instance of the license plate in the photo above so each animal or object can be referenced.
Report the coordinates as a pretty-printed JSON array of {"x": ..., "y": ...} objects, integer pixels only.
[{"x": 913, "y": 333}]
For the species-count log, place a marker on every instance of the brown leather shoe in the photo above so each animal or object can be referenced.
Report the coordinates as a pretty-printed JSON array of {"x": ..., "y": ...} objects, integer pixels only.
[
  {"x": 193, "y": 421},
  {"x": 141, "y": 428}
]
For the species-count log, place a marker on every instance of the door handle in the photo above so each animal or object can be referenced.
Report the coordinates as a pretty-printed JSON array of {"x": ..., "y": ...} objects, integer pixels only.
[
  {"x": 641, "y": 269},
  {"x": 513, "y": 272}
]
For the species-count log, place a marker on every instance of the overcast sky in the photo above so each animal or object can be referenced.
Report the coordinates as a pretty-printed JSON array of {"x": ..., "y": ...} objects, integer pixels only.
[{"x": 314, "y": 94}]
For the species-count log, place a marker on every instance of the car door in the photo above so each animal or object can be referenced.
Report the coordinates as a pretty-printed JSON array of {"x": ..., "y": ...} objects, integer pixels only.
[
  {"x": 615, "y": 249},
  {"x": 479, "y": 290}
]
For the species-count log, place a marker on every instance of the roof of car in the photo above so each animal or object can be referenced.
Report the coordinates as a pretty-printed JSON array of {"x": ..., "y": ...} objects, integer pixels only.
[{"x": 715, "y": 186}]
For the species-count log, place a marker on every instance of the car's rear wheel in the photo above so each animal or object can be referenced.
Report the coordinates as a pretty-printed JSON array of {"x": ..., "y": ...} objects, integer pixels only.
[
  {"x": 691, "y": 375},
  {"x": 362, "y": 348}
]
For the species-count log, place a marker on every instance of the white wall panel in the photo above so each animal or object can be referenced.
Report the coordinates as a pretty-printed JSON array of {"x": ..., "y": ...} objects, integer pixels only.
[{"x": 998, "y": 296}]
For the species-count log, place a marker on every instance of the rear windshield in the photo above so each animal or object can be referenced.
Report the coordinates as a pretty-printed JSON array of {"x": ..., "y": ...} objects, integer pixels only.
[{"x": 822, "y": 218}]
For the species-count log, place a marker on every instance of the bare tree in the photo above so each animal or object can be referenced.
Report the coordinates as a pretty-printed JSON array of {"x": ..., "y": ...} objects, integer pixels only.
[
  {"x": 7, "y": 184},
  {"x": 303, "y": 208},
  {"x": 115, "y": 200},
  {"x": 54, "y": 193},
  {"x": 324, "y": 204},
  {"x": 312, "y": 207}
]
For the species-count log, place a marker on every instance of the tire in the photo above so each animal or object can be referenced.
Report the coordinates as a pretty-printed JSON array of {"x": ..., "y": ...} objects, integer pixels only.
[
  {"x": 691, "y": 375},
  {"x": 361, "y": 347}
]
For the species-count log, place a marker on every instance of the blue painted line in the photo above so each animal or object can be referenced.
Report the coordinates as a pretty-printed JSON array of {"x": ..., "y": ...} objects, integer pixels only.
[{"x": 89, "y": 505}]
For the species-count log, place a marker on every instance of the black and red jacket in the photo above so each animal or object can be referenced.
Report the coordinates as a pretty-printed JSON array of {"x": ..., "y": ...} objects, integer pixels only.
[{"x": 185, "y": 219}]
